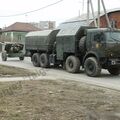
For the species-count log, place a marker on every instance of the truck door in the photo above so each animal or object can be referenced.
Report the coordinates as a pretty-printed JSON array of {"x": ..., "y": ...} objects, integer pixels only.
[{"x": 98, "y": 42}]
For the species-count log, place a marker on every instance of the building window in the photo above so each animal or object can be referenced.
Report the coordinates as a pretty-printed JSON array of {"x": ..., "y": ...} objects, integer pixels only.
[
  {"x": 19, "y": 37},
  {"x": 6, "y": 34},
  {"x": 113, "y": 23}
]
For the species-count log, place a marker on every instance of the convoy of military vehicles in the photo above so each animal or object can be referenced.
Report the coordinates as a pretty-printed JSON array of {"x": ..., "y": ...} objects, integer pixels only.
[{"x": 72, "y": 47}]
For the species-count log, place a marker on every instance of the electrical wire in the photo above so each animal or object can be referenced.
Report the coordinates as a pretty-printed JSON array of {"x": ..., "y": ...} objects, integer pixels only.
[{"x": 14, "y": 15}]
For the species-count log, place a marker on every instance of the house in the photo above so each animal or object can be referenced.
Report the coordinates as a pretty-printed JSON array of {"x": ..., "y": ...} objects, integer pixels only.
[
  {"x": 113, "y": 14},
  {"x": 16, "y": 32},
  {"x": 45, "y": 25}
]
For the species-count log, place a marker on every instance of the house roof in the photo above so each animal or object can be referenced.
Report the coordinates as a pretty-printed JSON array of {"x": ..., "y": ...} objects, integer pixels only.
[
  {"x": 21, "y": 27},
  {"x": 83, "y": 17}
]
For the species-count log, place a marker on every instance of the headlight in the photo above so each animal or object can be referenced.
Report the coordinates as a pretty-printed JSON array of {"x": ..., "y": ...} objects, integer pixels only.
[
  {"x": 111, "y": 54},
  {"x": 97, "y": 45}
]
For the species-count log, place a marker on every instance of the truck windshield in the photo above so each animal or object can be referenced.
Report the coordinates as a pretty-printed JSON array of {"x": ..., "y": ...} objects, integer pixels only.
[{"x": 112, "y": 36}]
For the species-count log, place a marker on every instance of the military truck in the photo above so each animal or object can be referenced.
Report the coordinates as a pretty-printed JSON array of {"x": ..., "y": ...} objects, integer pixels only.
[
  {"x": 12, "y": 49},
  {"x": 90, "y": 48}
]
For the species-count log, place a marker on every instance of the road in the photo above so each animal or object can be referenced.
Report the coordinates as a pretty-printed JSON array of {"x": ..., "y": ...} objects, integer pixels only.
[{"x": 105, "y": 80}]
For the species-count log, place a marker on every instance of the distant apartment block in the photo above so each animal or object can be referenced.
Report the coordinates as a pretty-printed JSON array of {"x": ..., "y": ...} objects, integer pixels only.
[{"x": 45, "y": 25}]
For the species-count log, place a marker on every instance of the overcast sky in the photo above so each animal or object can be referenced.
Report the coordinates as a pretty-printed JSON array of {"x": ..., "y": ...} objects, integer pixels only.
[{"x": 60, "y": 12}]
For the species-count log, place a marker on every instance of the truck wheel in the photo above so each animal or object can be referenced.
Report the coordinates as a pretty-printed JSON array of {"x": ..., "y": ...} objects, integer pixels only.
[
  {"x": 21, "y": 58},
  {"x": 44, "y": 61},
  {"x": 82, "y": 44},
  {"x": 72, "y": 64},
  {"x": 114, "y": 71},
  {"x": 4, "y": 56},
  {"x": 92, "y": 67},
  {"x": 35, "y": 59}
]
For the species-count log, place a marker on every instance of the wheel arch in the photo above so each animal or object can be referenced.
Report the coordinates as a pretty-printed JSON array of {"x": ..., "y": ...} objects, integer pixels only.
[{"x": 90, "y": 54}]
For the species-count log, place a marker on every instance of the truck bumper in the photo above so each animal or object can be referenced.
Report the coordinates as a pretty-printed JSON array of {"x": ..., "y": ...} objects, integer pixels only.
[
  {"x": 114, "y": 62},
  {"x": 15, "y": 54}
]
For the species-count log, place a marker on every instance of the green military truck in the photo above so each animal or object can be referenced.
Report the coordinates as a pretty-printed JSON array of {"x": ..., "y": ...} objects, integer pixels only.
[{"x": 79, "y": 46}]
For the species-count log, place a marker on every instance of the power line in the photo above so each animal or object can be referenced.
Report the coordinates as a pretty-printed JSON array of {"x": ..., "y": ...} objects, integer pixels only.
[{"x": 34, "y": 10}]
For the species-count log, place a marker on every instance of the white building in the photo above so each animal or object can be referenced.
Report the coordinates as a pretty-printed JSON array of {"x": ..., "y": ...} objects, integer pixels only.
[{"x": 45, "y": 25}]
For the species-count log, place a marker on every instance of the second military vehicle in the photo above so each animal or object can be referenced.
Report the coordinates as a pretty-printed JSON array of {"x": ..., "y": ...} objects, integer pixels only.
[
  {"x": 12, "y": 49},
  {"x": 73, "y": 47}
]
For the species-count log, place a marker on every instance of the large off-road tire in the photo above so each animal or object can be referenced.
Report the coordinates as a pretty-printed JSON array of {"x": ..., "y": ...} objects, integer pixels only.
[
  {"x": 82, "y": 44},
  {"x": 114, "y": 71},
  {"x": 44, "y": 60},
  {"x": 36, "y": 59},
  {"x": 4, "y": 56},
  {"x": 92, "y": 67},
  {"x": 72, "y": 64}
]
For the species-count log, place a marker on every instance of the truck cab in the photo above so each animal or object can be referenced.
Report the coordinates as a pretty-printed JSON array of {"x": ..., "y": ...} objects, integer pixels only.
[{"x": 102, "y": 49}]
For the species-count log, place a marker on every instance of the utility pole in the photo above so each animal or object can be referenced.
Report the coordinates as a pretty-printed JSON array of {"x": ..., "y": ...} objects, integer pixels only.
[
  {"x": 82, "y": 5},
  {"x": 98, "y": 13},
  {"x": 79, "y": 13},
  {"x": 93, "y": 13},
  {"x": 97, "y": 24},
  {"x": 88, "y": 12},
  {"x": 89, "y": 3},
  {"x": 106, "y": 15}
]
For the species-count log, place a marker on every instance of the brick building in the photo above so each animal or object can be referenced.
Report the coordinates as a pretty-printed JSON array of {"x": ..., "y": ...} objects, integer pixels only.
[{"x": 114, "y": 17}]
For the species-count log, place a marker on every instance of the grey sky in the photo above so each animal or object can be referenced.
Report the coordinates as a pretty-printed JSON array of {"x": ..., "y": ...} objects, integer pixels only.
[{"x": 59, "y": 12}]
